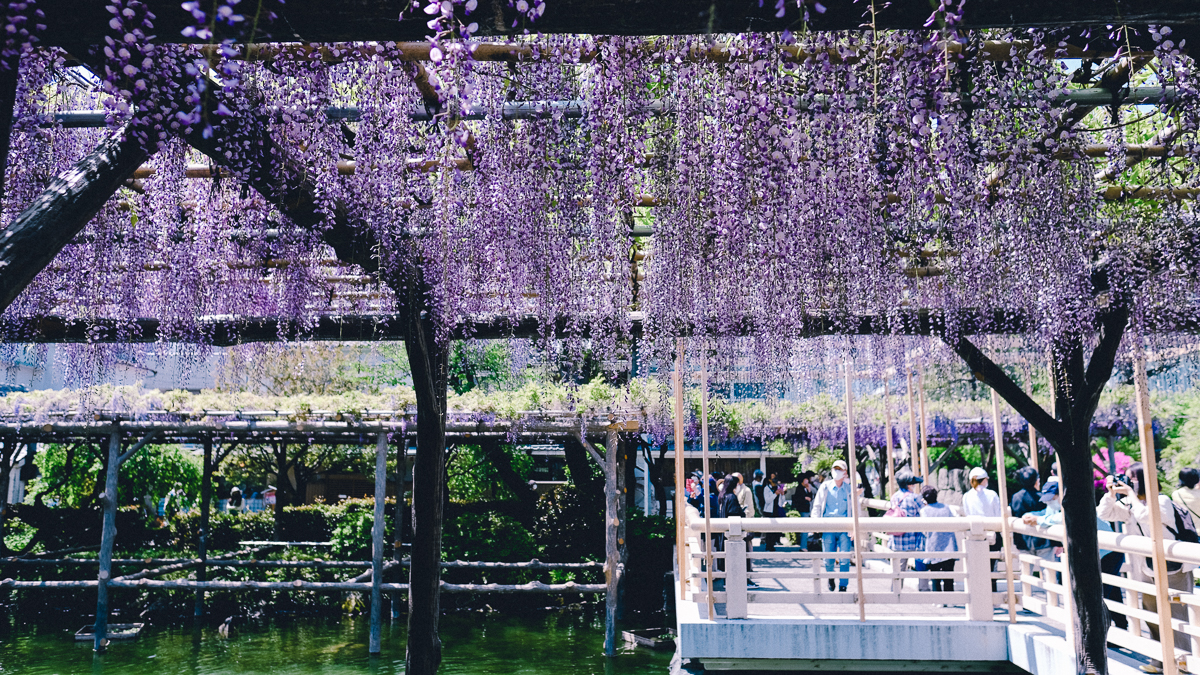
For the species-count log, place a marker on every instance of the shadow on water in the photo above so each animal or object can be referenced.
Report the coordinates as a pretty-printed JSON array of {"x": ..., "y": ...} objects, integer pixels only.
[{"x": 557, "y": 643}]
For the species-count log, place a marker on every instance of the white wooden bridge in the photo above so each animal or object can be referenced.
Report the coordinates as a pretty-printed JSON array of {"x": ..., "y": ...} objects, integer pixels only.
[{"x": 790, "y": 621}]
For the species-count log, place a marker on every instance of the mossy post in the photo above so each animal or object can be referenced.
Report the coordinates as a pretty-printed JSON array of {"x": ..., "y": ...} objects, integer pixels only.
[
  {"x": 202, "y": 541},
  {"x": 108, "y": 533},
  {"x": 398, "y": 537},
  {"x": 612, "y": 551},
  {"x": 381, "y": 448}
]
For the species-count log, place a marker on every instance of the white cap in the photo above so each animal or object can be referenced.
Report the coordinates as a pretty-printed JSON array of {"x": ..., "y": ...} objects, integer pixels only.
[{"x": 977, "y": 473}]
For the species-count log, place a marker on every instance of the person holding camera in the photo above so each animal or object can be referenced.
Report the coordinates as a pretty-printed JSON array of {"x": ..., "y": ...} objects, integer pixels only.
[{"x": 1125, "y": 501}]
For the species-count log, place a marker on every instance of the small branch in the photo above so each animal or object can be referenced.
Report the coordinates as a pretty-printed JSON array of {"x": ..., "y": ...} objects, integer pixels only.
[
  {"x": 985, "y": 370},
  {"x": 1100, "y": 366},
  {"x": 138, "y": 446},
  {"x": 589, "y": 447}
]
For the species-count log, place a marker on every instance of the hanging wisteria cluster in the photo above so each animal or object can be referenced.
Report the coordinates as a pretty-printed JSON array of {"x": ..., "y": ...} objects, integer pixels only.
[{"x": 788, "y": 181}]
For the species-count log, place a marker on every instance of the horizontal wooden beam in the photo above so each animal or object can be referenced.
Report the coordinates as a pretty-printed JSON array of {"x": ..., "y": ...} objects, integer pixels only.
[
  {"x": 75, "y": 22},
  {"x": 575, "y": 109},
  {"x": 228, "y": 331}
]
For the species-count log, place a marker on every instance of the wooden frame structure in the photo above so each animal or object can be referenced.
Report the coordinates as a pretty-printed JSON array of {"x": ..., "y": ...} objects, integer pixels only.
[{"x": 382, "y": 429}]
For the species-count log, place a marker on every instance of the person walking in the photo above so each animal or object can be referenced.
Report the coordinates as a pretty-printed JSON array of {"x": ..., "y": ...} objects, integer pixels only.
[
  {"x": 772, "y": 496},
  {"x": 756, "y": 488},
  {"x": 745, "y": 497},
  {"x": 1028, "y": 500},
  {"x": 1126, "y": 503},
  {"x": 802, "y": 499},
  {"x": 906, "y": 503},
  {"x": 1110, "y": 561},
  {"x": 1188, "y": 496},
  {"x": 833, "y": 501},
  {"x": 980, "y": 501},
  {"x": 938, "y": 542}
]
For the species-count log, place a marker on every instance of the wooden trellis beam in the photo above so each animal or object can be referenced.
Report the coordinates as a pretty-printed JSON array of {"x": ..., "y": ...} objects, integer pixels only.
[
  {"x": 74, "y": 22},
  {"x": 228, "y": 331}
]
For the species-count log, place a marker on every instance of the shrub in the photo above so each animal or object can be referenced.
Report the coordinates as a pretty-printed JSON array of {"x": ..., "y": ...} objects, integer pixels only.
[
  {"x": 488, "y": 536},
  {"x": 569, "y": 526}
]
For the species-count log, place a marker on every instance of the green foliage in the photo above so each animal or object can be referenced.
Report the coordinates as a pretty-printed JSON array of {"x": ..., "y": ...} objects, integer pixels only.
[
  {"x": 641, "y": 526},
  {"x": 483, "y": 364},
  {"x": 487, "y": 536},
  {"x": 154, "y": 471},
  {"x": 569, "y": 525},
  {"x": 472, "y": 477},
  {"x": 352, "y": 536}
]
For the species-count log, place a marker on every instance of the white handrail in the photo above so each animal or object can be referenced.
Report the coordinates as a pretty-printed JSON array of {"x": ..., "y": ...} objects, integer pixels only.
[{"x": 720, "y": 525}]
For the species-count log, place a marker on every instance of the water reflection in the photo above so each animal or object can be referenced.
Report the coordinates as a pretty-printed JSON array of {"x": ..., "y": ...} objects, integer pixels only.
[{"x": 566, "y": 643}]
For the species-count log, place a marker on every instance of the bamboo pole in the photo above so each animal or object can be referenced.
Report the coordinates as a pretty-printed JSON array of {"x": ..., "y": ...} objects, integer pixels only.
[
  {"x": 860, "y": 596},
  {"x": 914, "y": 452},
  {"x": 708, "y": 558},
  {"x": 680, "y": 476},
  {"x": 924, "y": 428},
  {"x": 108, "y": 533},
  {"x": 1005, "y": 509},
  {"x": 1162, "y": 590},
  {"x": 381, "y": 448},
  {"x": 202, "y": 544},
  {"x": 887, "y": 427}
]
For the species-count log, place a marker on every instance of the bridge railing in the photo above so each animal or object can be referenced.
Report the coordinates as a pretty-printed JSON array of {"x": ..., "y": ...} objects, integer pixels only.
[{"x": 1042, "y": 585}]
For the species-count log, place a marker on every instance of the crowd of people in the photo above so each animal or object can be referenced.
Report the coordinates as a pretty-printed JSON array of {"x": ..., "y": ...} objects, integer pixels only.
[{"x": 1038, "y": 503}]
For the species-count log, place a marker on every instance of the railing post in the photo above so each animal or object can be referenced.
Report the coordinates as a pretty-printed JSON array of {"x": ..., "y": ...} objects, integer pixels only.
[
  {"x": 979, "y": 573},
  {"x": 735, "y": 571}
]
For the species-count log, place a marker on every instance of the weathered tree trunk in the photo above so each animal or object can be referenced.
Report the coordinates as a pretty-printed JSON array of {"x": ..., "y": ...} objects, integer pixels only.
[
  {"x": 108, "y": 501},
  {"x": 9, "y": 73},
  {"x": 202, "y": 544},
  {"x": 1077, "y": 389},
  {"x": 500, "y": 459},
  {"x": 62, "y": 210},
  {"x": 579, "y": 465},
  {"x": 398, "y": 535},
  {"x": 429, "y": 361}
]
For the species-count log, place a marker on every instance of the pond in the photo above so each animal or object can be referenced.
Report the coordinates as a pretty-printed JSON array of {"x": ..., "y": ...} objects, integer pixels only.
[{"x": 560, "y": 643}]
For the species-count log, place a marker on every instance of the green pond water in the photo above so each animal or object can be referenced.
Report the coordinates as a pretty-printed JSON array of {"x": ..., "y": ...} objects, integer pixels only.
[{"x": 567, "y": 643}]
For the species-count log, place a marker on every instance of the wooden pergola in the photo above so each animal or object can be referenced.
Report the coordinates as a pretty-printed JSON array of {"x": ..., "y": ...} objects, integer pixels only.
[{"x": 54, "y": 218}]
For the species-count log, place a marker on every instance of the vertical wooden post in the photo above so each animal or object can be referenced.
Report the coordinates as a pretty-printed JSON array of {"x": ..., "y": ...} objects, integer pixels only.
[
  {"x": 887, "y": 430},
  {"x": 860, "y": 596},
  {"x": 1005, "y": 510},
  {"x": 202, "y": 544},
  {"x": 708, "y": 541},
  {"x": 381, "y": 447},
  {"x": 680, "y": 477},
  {"x": 622, "y": 476},
  {"x": 398, "y": 534},
  {"x": 1033, "y": 446},
  {"x": 612, "y": 552},
  {"x": 924, "y": 428},
  {"x": 914, "y": 452},
  {"x": 1162, "y": 591},
  {"x": 108, "y": 534}
]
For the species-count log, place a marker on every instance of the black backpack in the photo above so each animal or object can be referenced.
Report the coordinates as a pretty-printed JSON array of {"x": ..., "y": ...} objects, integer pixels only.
[{"x": 1185, "y": 528}]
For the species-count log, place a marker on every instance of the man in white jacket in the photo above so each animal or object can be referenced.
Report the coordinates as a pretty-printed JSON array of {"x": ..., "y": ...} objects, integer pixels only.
[{"x": 1126, "y": 502}]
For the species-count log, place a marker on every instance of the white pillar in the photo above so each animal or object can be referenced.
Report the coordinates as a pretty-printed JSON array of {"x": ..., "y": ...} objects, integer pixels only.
[
  {"x": 979, "y": 573},
  {"x": 735, "y": 571}
]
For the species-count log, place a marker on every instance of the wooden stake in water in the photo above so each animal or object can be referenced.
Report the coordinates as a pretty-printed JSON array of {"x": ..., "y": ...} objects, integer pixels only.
[
  {"x": 1005, "y": 511},
  {"x": 1162, "y": 590},
  {"x": 860, "y": 597},
  {"x": 381, "y": 448}
]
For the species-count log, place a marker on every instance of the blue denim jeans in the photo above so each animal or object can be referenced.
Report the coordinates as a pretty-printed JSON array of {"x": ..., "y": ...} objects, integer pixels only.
[
  {"x": 832, "y": 542},
  {"x": 804, "y": 535}
]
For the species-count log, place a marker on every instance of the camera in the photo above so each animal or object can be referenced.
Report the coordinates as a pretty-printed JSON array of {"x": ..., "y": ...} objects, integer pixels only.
[{"x": 1120, "y": 479}]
